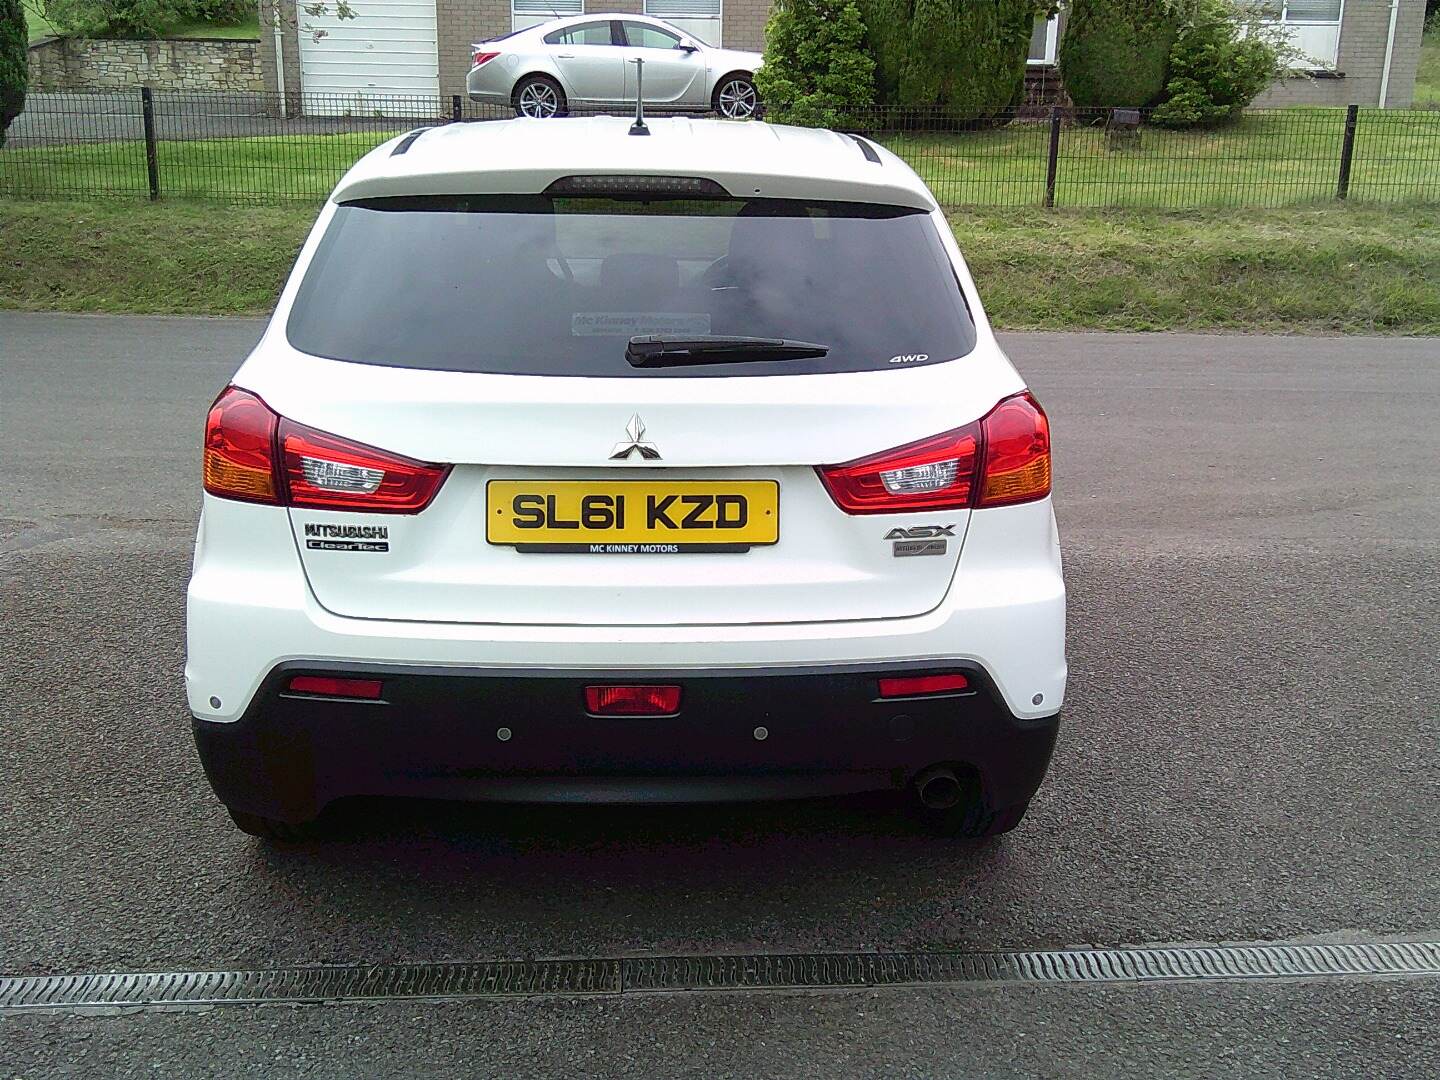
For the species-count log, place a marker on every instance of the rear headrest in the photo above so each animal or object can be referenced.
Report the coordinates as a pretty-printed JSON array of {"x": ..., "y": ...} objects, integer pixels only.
[
  {"x": 764, "y": 232},
  {"x": 639, "y": 274}
]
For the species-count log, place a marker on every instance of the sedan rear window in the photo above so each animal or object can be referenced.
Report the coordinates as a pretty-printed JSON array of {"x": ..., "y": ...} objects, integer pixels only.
[{"x": 539, "y": 285}]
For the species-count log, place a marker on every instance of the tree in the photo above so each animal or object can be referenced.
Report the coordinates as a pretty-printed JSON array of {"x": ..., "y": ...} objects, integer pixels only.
[
  {"x": 1115, "y": 53},
  {"x": 816, "y": 71},
  {"x": 144, "y": 19},
  {"x": 14, "y": 62},
  {"x": 148, "y": 19},
  {"x": 966, "y": 57}
]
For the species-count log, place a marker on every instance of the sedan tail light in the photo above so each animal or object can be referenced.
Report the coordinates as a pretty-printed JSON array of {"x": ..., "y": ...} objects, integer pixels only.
[
  {"x": 255, "y": 455},
  {"x": 999, "y": 460},
  {"x": 478, "y": 58}
]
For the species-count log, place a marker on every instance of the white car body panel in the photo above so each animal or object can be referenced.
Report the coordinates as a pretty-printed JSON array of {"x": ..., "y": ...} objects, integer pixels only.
[{"x": 746, "y": 159}]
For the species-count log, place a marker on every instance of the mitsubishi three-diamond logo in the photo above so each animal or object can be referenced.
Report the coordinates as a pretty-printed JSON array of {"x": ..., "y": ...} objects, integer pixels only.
[{"x": 635, "y": 430}]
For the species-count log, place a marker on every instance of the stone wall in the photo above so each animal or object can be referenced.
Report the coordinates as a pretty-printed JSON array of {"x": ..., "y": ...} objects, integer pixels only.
[{"x": 176, "y": 64}]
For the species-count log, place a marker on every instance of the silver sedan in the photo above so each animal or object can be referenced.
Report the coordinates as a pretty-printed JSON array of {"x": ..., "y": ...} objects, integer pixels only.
[{"x": 587, "y": 60}]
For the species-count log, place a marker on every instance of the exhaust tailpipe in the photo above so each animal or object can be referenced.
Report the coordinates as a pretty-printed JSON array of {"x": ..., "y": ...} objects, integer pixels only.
[{"x": 938, "y": 788}]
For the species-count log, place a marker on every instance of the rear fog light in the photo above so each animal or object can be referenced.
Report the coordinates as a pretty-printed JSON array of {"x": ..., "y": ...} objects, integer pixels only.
[{"x": 632, "y": 700}]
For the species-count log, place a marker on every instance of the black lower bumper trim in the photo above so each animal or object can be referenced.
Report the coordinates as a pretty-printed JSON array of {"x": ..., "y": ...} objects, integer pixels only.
[{"x": 525, "y": 736}]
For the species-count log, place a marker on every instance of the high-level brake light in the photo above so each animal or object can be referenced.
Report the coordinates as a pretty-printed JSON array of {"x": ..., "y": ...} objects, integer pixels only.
[
  {"x": 999, "y": 460},
  {"x": 254, "y": 455}
]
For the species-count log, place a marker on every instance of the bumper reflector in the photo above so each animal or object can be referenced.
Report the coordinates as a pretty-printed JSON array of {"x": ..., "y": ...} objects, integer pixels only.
[
  {"x": 328, "y": 687},
  {"x": 632, "y": 700},
  {"x": 917, "y": 685}
]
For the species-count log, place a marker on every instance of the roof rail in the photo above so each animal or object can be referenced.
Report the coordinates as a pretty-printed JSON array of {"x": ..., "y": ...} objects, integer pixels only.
[
  {"x": 867, "y": 150},
  {"x": 408, "y": 141}
]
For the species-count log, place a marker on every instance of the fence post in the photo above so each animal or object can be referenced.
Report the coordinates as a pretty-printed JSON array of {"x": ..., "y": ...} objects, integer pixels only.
[
  {"x": 152, "y": 162},
  {"x": 1347, "y": 152},
  {"x": 1053, "y": 162},
  {"x": 455, "y": 114}
]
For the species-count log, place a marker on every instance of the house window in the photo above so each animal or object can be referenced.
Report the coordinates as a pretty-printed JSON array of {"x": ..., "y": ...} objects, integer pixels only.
[
  {"x": 1312, "y": 27},
  {"x": 698, "y": 18},
  {"x": 1042, "y": 41},
  {"x": 527, "y": 13}
]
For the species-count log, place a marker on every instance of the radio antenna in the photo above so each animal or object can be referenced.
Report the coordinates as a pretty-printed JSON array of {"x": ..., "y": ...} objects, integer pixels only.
[{"x": 638, "y": 127}]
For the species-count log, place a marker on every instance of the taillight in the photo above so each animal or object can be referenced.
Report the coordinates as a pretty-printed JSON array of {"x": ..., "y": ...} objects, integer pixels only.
[
  {"x": 255, "y": 455},
  {"x": 1017, "y": 453},
  {"x": 1001, "y": 459},
  {"x": 933, "y": 474},
  {"x": 478, "y": 58},
  {"x": 326, "y": 472},
  {"x": 240, "y": 448}
]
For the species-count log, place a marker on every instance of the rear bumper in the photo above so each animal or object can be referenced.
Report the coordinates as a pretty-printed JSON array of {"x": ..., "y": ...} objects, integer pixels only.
[
  {"x": 250, "y": 610},
  {"x": 436, "y": 733},
  {"x": 489, "y": 84}
]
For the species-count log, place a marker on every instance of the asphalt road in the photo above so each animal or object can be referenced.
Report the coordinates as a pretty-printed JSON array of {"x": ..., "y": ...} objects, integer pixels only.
[{"x": 1249, "y": 754}]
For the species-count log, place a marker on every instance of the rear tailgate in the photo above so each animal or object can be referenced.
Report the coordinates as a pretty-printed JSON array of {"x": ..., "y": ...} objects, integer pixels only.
[{"x": 547, "y": 434}]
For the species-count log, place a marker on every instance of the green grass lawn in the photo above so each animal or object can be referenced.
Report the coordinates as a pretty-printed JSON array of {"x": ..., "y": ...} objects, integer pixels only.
[
  {"x": 36, "y": 23},
  {"x": 1427, "y": 80},
  {"x": 1340, "y": 268},
  {"x": 40, "y": 27},
  {"x": 1276, "y": 158},
  {"x": 249, "y": 30},
  {"x": 1269, "y": 158}
]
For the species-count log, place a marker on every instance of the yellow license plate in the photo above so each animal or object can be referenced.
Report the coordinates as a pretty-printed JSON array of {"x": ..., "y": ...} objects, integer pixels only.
[{"x": 639, "y": 517}]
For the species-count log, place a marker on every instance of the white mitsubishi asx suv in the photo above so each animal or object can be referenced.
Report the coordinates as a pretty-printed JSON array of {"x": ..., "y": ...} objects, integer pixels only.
[{"x": 585, "y": 467}]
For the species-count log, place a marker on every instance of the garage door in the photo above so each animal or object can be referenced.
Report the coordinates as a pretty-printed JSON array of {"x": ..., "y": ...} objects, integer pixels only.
[
  {"x": 377, "y": 63},
  {"x": 699, "y": 18}
]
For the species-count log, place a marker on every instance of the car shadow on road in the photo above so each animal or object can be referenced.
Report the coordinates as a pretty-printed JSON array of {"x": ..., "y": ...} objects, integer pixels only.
[{"x": 815, "y": 872}]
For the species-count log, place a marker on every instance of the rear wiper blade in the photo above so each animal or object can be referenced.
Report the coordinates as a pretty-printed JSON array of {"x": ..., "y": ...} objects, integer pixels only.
[{"x": 655, "y": 351}]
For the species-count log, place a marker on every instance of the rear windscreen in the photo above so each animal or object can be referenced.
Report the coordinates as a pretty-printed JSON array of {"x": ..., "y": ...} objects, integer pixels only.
[{"x": 535, "y": 285}]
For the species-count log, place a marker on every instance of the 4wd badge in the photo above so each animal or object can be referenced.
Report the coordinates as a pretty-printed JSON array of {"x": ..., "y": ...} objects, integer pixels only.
[{"x": 920, "y": 540}]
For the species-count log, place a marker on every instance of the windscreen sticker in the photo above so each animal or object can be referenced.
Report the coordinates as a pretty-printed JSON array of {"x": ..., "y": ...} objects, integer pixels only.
[
  {"x": 321, "y": 537},
  {"x": 638, "y": 323}
]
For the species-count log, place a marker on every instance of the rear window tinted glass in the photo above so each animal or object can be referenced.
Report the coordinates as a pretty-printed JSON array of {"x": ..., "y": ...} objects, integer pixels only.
[{"x": 539, "y": 286}]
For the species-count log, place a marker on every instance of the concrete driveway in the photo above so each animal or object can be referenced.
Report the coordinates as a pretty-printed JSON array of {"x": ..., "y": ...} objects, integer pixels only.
[{"x": 1249, "y": 755}]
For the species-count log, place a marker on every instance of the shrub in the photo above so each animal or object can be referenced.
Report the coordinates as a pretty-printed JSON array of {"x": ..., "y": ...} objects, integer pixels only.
[
  {"x": 220, "y": 12},
  {"x": 1115, "y": 52},
  {"x": 1222, "y": 58},
  {"x": 115, "y": 18},
  {"x": 816, "y": 72},
  {"x": 966, "y": 57},
  {"x": 14, "y": 63}
]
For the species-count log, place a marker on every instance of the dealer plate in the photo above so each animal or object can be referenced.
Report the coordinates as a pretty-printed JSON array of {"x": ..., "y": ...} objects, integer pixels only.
[{"x": 640, "y": 517}]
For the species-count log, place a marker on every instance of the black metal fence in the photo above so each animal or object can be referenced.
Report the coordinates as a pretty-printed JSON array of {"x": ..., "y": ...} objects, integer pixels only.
[{"x": 258, "y": 148}]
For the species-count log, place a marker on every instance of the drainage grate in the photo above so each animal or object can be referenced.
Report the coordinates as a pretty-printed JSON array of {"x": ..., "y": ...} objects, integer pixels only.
[{"x": 798, "y": 971}]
